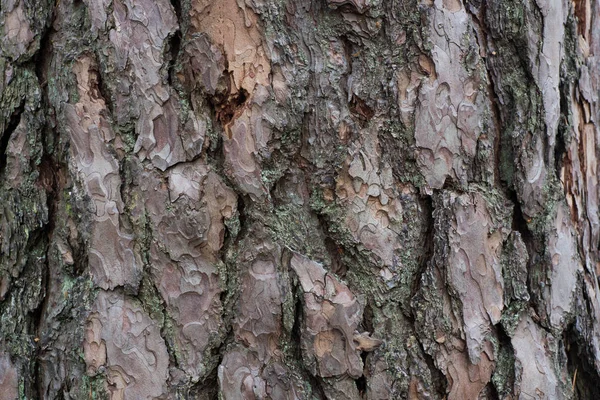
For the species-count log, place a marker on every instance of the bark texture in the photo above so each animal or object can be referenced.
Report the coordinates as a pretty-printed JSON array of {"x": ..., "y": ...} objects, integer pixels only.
[{"x": 312, "y": 199}]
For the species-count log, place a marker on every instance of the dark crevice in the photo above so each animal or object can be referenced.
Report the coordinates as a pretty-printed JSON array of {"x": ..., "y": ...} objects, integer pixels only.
[
  {"x": 174, "y": 46},
  {"x": 9, "y": 129},
  {"x": 360, "y": 109},
  {"x": 103, "y": 90},
  {"x": 206, "y": 389},
  {"x": 560, "y": 148},
  {"x": 127, "y": 181},
  {"x": 242, "y": 214},
  {"x": 519, "y": 224},
  {"x": 232, "y": 239},
  {"x": 500, "y": 142},
  {"x": 503, "y": 378},
  {"x": 296, "y": 346},
  {"x": 49, "y": 179},
  {"x": 43, "y": 58},
  {"x": 489, "y": 392},
  {"x": 585, "y": 379},
  {"x": 451, "y": 184},
  {"x": 36, "y": 315},
  {"x": 317, "y": 387},
  {"x": 214, "y": 153},
  {"x": 295, "y": 337},
  {"x": 438, "y": 379},
  {"x": 361, "y": 383},
  {"x": 368, "y": 316},
  {"x": 226, "y": 105},
  {"x": 428, "y": 251},
  {"x": 367, "y": 325},
  {"x": 348, "y": 45},
  {"x": 335, "y": 252},
  {"x": 177, "y": 8},
  {"x": 426, "y": 256}
]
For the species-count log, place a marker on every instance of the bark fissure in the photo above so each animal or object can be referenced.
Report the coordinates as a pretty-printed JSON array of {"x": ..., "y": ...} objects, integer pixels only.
[
  {"x": 585, "y": 380},
  {"x": 438, "y": 378},
  {"x": 50, "y": 173},
  {"x": 174, "y": 46},
  {"x": 428, "y": 252},
  {"x": 296, "y": 342},
  {"x": 9, "y": 128},
  {"x": 291, "y": 200}
]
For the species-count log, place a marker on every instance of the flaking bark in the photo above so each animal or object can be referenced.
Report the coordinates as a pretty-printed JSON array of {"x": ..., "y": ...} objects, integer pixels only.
[{"x": 299, "y": 199}]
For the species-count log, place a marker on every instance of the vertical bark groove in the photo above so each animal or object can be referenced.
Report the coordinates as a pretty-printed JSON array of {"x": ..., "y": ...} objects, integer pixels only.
[{"x": 299, "y": 199}]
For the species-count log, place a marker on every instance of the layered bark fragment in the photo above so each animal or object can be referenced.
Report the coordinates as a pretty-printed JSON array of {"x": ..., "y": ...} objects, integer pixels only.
[
  {"x": 123, "y": 343},
  {"x": 186, "y": 218},
  {"x": 9, "y": 381},
  {"x": 111, "y": 258},
  {"x": 374, "y": 215},
  {"x": 18, "y": 35},
  {"x": 451, "y": 108},
  {"x": 536, "y": 376},
  {"x": 242, "y": 65},
  {"x": 135, "y": 51},
  {"x": 332, "y": 314},
  {"x": 243, "y": 376},
  {"x": 299, "y": 199},
  {"x": 471, "y": 231},
  {"x": 256, "y": 366}
]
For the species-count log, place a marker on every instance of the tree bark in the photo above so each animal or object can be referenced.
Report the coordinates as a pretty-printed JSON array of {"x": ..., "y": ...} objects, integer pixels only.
[{"x": 313, "y": 199}]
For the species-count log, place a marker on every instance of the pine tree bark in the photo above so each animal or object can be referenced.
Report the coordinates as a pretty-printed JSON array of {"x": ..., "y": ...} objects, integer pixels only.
[{"x": 313, "y": 199}]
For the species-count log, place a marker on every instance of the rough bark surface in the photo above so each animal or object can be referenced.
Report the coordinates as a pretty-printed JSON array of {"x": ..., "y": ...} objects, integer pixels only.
[{"x": 313, "y": 199}]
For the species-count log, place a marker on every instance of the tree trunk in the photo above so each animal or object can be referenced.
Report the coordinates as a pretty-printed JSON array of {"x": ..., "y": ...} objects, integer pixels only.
[{"x": 299, "y": 199}]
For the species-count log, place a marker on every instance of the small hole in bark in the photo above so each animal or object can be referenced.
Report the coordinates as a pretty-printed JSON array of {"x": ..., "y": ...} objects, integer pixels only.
[
  {"x": 226, "y": 108},
  {"x": 359, "y": 108},
  {"x": 335, "y": 252},
  {"x": 368, "y": 318},
  {"x": 47, "y": 178}
]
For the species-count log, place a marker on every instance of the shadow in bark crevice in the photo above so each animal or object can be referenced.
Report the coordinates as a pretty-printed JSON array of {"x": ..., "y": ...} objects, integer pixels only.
[
  {"x": 174, "y": 47},
  {"x": 503, "y": 377},
  {"x": 560, "y": 149},
  {"x": 361, "y": 383},
  {"x": 206, "y": 389},
  {"x": 519, "y": 224},
  {"x": 177, "y": 8},
  {"x": 585, "y": 380},
  {"x": 10, "y": 127},
  {"x": 427, "y": 254},
  {"x": 315, "y": 382},
  {"x": 438, "y": 379}
]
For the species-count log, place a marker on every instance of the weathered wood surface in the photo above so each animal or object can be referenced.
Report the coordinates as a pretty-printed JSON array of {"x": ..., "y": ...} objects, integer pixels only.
[{"x": 314, "y": 199}]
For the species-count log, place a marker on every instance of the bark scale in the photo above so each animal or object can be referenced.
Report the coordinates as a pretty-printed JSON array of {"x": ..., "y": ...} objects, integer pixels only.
[{"x": 299, "y": 199}]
